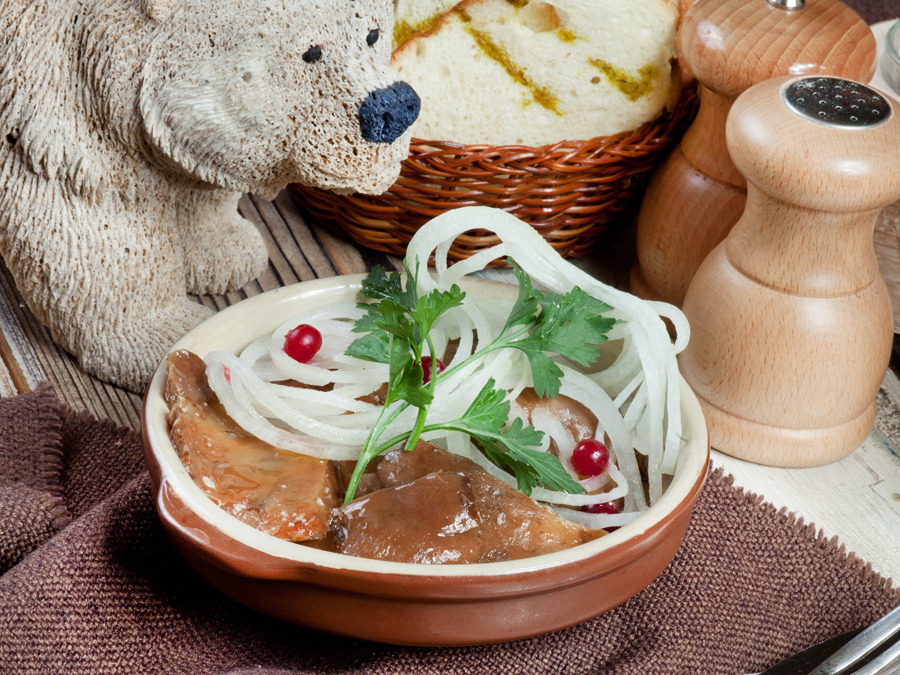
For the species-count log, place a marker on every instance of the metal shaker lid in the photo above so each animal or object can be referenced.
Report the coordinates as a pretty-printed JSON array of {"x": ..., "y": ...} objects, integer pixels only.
[
  {"x": 837, "y": 102},
  {"x": 788, "y": 5}
]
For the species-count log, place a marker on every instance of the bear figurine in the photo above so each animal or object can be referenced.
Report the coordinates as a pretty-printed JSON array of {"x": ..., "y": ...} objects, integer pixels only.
[{"x": 130, "y": 128}]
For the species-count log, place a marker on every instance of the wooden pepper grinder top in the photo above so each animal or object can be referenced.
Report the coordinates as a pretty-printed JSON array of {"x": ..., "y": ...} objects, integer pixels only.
[
  {"x": 791, "y": 323},
  {"x": 696, "y": 196}
]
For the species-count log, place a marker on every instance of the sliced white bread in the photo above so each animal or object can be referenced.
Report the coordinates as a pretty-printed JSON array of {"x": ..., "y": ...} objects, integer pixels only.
[
  {"x": 417, "y": 16},
  {"x": 534, "y": 72}
]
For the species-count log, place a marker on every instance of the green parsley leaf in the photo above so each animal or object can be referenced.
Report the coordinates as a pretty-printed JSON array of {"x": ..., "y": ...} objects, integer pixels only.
[
  {"x": 513, "y": 449},
  {"x": 489, "y": 410},
  {"x": 566, "y": 327},
  {"x": 396, "y": 329},
  {"x": 380, "y": 286},
  {"x": 372, "y": 347},
  {"x": 368, "y": 321},
  {"x": 398, "y": 312},
  {"x": 569, "y": 325},
  {"x": 395, "y": 321},
  {"x": 546, "y": 375},
  {"x": 526, "y": 305},
  {"x": 429, "y": 308},
  {"x": 530, "y": 467},
  {"x": 405, "y": 383}
]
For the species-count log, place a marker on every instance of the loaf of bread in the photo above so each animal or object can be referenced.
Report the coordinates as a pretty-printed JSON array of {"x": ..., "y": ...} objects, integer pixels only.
[
  {"x": 535, "y": 72},
  {"x": 417, "y": 16}
]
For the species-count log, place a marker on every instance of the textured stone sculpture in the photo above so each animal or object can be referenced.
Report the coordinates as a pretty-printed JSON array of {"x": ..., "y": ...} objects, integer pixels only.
[{"x": 130, "y": 128}]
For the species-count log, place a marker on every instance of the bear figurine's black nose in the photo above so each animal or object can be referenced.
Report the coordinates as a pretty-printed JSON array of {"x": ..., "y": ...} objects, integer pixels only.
[{"x": 387, "y": 113}]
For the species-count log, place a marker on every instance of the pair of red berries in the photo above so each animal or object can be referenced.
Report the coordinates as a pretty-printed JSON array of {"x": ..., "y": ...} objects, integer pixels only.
[
  {"x": 303, "y": 343},
  {"x": 590, "y": 458}
]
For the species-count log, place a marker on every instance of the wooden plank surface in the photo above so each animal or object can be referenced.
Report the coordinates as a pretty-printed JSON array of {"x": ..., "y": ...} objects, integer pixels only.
[{"x": 857, "y": 499}]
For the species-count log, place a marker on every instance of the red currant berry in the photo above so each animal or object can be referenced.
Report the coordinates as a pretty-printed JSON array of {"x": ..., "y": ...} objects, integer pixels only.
[
  {"x": 426, "y": 367},
  {"x": 302, "y": 343},
  {"x": 608, "y": 507},
  {"x": 590, "y": 457}
]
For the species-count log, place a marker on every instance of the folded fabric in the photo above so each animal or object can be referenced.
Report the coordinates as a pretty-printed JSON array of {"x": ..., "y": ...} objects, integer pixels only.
[
  {"x": 32, "y": 508},
  {"x": 875, "y": 11},
  {"x": 109, "y": 594}
]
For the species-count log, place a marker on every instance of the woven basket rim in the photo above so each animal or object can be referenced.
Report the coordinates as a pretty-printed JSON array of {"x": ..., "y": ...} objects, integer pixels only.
[
  {"x": 572, "y": 192},
  {"x": 564, "y": 146}
]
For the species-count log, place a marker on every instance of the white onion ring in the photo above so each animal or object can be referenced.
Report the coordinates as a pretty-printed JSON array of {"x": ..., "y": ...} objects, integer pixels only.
[{"x": 636, "y": 398}]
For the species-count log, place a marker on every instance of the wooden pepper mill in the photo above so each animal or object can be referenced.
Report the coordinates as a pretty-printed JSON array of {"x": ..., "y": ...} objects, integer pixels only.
[
  {"x": 791, "y": 323},
  {"x": 696, "y": 196}
]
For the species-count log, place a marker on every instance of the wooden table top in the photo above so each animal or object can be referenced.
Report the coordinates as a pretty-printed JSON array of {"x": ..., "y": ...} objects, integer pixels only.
[{"x": 856, "y": 499}]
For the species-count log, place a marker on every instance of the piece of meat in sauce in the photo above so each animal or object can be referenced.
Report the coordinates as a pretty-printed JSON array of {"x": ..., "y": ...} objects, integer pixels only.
[
  {"x": 284, "y": 494},
  {"x": 432, "y": 520},
  {"x": 574, "y": 416},
  {"x": 508, "y": 525}
]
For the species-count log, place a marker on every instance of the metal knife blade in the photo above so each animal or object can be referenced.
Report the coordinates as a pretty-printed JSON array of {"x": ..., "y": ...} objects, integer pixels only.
[{"x": 803, "y": 662}]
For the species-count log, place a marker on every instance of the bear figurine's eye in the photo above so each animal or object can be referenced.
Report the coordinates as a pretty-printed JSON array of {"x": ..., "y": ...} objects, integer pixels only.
[
  {"x": 312, "y": 54},
  {"x": 372, "y": 37}
]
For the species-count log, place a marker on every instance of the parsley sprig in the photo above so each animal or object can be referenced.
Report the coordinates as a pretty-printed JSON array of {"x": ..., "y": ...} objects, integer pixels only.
[{"x": 397, "y": 327}]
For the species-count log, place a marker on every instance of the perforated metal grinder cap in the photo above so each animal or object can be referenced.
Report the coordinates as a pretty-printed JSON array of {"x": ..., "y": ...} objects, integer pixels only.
[{"x": 837, "y": 102}]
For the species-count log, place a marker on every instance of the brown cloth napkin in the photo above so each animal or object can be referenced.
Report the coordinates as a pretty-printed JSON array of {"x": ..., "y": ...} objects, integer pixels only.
[
  {"x": 31, "y": 502},
  {"x": 108, "y": 594},
  {"x": 875, "y": 11}
]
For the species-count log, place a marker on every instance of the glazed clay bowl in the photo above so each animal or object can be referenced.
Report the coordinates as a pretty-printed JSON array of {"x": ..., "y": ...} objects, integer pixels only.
[{"x": 392, "y": 602}]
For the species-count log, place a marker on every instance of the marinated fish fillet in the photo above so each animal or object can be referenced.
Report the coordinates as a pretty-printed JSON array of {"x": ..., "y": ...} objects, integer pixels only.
[{"x": 284, "y": 494}]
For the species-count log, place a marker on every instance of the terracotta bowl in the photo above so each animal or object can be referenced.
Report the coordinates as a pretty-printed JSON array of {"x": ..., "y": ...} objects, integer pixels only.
[{"x": 398, "y": 602}]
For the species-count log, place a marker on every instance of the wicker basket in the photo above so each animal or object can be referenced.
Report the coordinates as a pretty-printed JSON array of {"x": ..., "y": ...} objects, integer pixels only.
[{"x": 573, "y": 193}]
